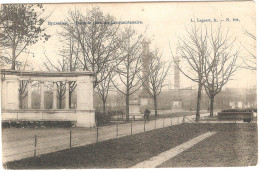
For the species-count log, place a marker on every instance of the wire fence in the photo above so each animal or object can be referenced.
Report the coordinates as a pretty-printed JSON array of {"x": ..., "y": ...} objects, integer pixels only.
[{"x": 19, "y": 149}]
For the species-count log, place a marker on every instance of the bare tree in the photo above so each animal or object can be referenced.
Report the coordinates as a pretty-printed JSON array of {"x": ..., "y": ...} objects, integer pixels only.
[
  {"x": 193, "y": 52},
  {"x": 98, "y": 38},
  {"x": 21, "y": 26},
  {"x": 68, "y": 62},
  {"x": 22, "y": 92},
  {"x": 250, "y": 61},
  {"x": 156, "y": 74},
  {"x": 70, "y": 53},
  {"x": 23, "y": 84},
  {"x": 104, "y": 87},
  {"x": 130, "y": 66},
  {"x": 220, "y": 62}
]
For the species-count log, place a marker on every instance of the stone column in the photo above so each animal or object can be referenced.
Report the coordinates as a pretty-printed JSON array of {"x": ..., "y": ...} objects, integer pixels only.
[
  {"x": 42, "y": 94},
  {"x": 10, "y": 92},
  {"x": 54, "y": 103},
  {"x": 84, "y": 93},
  {"x": 29, "y": 94},
  {"x": 85, "y": 110},
  {"x": 67, "y": 97}
]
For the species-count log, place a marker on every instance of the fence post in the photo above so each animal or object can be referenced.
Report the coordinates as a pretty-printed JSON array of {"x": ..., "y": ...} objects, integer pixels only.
[
  {"x": 144, "y": 126},
  {"x": 155, "y": 124},
  {"x": 116, "y": 130},
  {"x": 163, "y": 122},
  {"x": 131, "y": 129},
  {"x": 70, "y": 138},
  {"x": 171, "y": 121},
  {"x": 183, "y": 120},
  {"x": 97, "y": 134},
  {"x": 178, "y": 121},
  {"x": 35, "y": 144}
]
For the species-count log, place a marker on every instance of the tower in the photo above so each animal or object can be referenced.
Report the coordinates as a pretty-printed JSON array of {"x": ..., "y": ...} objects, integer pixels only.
[
  {"x": 177, "y": 93},
  {"x": 145, "y": 98},
  {"x": 145, "y": 64}
]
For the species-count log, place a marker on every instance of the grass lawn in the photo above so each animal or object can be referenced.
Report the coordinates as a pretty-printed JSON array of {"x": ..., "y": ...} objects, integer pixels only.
[
  {"x": 127, "y": 151},
  {"x": 233, "y": 145}
]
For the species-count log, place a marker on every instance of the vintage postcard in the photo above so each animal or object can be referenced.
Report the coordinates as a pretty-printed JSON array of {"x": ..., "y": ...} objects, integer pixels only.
[{"x": 128, "y": 85}]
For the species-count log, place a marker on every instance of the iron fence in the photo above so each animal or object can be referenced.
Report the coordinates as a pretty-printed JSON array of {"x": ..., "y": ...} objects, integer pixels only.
[{"x": 38, "y": 145}]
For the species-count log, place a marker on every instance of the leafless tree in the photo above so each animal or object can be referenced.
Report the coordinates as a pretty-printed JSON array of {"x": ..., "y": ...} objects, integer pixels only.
[
  {"x": 250, "y": 61},
  {"x": 22, "y": 92},
  {"x": 70, "y": 53},
  {"x": 104, "y": 87},
  {"x": 192, "y": 51},
  {"x": 68, "y": 62},
  {"x": 156, "y": 74},
  {"x": 130, "y": 66},
  {"x": 23, "y": 84},
  {"x": 220, "y": 62},
  {"x": 60, "y": 66},
  {"x": 98, "y": 38}
]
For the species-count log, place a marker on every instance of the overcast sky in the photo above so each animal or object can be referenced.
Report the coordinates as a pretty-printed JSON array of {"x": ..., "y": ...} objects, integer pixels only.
[{"x": 164, "y": 23}]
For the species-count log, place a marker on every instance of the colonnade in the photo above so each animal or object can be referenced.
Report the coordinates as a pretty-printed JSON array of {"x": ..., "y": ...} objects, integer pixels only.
[
  {"x": 84, "y": 114},
  {"x": 54, "y": 105}
]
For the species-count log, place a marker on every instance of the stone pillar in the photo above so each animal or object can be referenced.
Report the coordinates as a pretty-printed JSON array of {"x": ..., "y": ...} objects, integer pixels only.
[
  {"x": 29, "y": 94},
  {"x": 54, "y": 103},
  {"x": 67, "y": 97},
  {"x": 10, "y": 93},
  {"x": 85, "y": 109},
  {"x": 42, "y": 94},
  {"x": 84, "y": 93}
]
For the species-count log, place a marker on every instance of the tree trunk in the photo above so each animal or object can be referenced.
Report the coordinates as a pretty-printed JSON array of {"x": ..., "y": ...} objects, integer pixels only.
[
  {"x": 155, "y": 106},
  {"x": 104, "y": 106},
  {"x": 13, "y": 56},
  {"x": 20, "y": 101},
  {"x": 60, "y": 103},
  {"x": 211, "y": 106},
  {"x": 127, "y": 107},
  {"x": 70, "y": 94},
  {"x": 198, "y": 103}
]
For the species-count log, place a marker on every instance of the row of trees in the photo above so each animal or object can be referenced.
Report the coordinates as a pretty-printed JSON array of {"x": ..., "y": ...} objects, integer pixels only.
[
  {"x": 114, "y": 53},
  {"x": 210, "y": 59}
]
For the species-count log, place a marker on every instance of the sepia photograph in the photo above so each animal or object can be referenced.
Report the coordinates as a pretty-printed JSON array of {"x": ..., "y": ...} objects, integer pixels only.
[{"x": 118, "y": 85}]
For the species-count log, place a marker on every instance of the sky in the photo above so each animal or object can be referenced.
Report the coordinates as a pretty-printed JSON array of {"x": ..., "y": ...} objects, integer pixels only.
[{"x": 164, "y": 23}]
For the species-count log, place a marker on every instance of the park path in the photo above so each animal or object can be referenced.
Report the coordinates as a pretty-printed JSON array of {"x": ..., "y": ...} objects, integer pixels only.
[
  {"x": 22, "y": 143},
  {"x": 167, "y": 155}
]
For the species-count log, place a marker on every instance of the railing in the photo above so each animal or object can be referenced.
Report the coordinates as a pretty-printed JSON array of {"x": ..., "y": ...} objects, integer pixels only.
[{"x": 37, "y": 145}]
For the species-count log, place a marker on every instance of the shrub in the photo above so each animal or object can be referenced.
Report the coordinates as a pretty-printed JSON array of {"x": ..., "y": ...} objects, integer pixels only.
[
  {"x": 240, "y": 110},
  {"x": 102, "y": 118}
]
